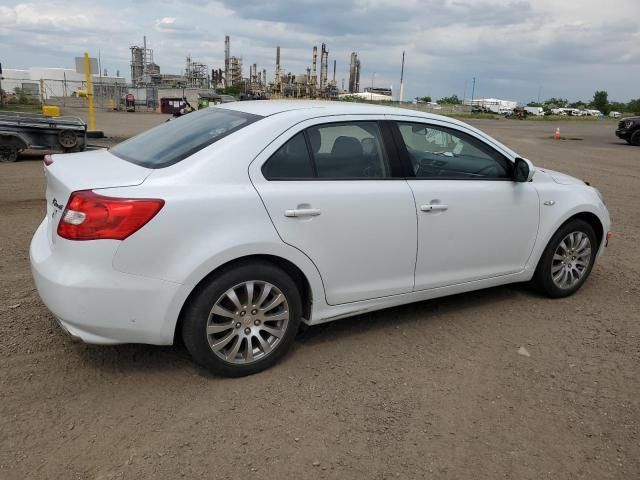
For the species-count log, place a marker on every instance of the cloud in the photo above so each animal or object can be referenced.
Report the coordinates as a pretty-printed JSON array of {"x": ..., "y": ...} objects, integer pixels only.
[
  {"x": 171, "y": 25},
  {"x": 512, "y": 47}
]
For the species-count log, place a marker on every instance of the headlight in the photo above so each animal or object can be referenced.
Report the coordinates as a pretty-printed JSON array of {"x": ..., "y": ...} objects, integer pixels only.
[{"x": 628, "y": 123}]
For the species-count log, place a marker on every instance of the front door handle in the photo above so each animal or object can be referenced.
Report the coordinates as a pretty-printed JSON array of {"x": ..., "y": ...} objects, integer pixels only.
[
  {"x": 434, "y": 207},
  {"x": 302, "y": 212}
]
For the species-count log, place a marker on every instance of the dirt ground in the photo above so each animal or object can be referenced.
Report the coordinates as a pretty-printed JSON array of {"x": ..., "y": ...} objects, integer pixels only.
[{"x": 430, "y": 390}]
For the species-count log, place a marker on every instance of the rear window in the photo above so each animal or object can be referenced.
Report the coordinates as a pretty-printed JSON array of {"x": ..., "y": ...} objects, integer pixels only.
[{"x": 179, "y": 138}]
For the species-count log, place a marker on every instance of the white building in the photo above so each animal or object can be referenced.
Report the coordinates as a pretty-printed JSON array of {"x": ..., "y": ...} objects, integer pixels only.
[
  {"x": 56, "y": 82},
  {"x": 375, "y": 97}
]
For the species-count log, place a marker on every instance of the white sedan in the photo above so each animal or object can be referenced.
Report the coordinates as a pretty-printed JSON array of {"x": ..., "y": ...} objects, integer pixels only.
[{"x": 232, "y": 225}]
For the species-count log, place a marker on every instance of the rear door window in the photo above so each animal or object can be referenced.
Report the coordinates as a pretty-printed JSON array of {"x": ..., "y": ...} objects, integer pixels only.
[
  {"x": 348, "y": 150},
  {"x": 291, "y": 161},
  {"x": 180, "y": 138}
]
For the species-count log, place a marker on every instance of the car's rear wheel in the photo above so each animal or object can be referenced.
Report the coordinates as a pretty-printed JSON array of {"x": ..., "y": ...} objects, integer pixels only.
[
  {"x": 635, "y": 138},
  {"x": 568, "y": 259},
  {"x": 244, "y": 320}
]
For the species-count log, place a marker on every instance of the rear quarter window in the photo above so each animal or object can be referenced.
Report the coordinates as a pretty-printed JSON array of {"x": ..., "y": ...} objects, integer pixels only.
[{"x": 180, "y": 138}]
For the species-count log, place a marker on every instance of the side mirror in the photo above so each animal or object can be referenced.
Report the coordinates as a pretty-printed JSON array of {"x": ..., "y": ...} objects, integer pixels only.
[{"x": 523, "y": 170}]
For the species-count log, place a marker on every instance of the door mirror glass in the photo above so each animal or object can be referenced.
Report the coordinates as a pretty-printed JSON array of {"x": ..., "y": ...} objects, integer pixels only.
[{"x": 522, "y": 171}]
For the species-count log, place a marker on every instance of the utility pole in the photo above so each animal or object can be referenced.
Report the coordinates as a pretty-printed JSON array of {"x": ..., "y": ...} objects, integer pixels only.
[
  {"x": 87, "y": 72},
  {"x": 371, "y": 91},
  {"x": 473, "y": 91},
  {"x": 539, "y": 92},
  {"x": 1, "y": 96},
  {"x": 402, "y": 79}
]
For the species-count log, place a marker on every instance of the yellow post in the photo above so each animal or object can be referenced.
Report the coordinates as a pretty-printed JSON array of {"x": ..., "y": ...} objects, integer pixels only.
[{"x": 87, "y": 72}]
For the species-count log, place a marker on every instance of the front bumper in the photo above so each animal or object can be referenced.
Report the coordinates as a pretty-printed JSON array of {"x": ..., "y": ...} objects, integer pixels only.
[
  {"x": 623, "y": 133},
  {"x": 94, "y": 302}
]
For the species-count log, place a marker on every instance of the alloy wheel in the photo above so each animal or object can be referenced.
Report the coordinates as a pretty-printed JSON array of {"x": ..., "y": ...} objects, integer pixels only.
[
  {"x": 247, "y": 322},
  {"x": 571, "y": 260}
]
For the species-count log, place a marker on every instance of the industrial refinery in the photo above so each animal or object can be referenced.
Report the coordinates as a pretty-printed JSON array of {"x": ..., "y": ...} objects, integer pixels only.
[{"x": 314, "y": 82}]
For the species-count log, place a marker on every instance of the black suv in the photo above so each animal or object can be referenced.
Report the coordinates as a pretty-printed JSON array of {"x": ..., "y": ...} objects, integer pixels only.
[{"x": 629, "y": 129}]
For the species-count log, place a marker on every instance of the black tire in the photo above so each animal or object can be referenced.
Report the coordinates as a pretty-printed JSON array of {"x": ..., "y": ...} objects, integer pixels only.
[
  {"x": 67, "y": 139},
  {"x": 196, "y": 317},
  {"x": 8, "y": 153},
  {"x": 543, "y": 279},
  {"x": 75, "y": 149},
  {"x": 635, "y": 138}
]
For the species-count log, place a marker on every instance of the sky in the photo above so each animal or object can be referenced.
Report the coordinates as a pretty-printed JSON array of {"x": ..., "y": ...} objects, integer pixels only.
[{"x": 516, "y": 49}]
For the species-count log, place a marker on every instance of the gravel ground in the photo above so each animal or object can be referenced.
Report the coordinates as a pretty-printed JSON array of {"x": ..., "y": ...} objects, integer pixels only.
[{"x": 436, "y": 389}]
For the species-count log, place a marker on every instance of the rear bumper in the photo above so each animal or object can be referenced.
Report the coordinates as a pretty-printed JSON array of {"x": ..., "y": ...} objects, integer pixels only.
[{"x": 94, "y": 302}]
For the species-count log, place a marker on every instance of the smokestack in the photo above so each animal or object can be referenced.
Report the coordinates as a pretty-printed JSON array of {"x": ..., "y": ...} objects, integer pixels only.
[
  {"x": 314, "y": 75},
  {"x": 324, "y": 59},
  {"x": 354, "y": 74},
  {"x": 227, "y": 54},
  {"x": 402, "y": 79},
  {"x": 278, "y": 84},
  {"x": 334, "y": 71}
]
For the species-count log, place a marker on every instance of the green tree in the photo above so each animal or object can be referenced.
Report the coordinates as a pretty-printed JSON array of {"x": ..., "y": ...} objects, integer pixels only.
[
  {"x": 534, "y": 104},
  {"x": 556, "y": 102},
  {"x": 233, "y": 90},
  {"x": 617, "y": 107},
  {"x": 21, "y": 96},
  {"x": 601, "y": 101},
  {"x": 578, "y": 104},
  {"x": 634, "y": 106},
  {"x": 452, "y": 100},
  {"x": 426, "y": 99}
]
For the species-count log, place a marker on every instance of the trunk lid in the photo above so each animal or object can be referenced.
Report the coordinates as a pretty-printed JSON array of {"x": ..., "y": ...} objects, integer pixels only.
[{"x": 85, "y": 171}]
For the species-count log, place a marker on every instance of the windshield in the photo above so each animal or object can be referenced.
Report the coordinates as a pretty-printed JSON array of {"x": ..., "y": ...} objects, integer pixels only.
[{"x": 179, "y": 138}]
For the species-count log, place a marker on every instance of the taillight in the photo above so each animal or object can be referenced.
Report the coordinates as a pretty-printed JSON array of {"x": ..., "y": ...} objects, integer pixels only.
[
  {"x": 90, "y": 216},
  {"x": 48, "y": 160}
]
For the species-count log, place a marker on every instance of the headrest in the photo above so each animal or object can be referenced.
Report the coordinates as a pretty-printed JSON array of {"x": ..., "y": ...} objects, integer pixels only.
[
  {"x": 346, "y": 146},
  {"x": 369, "y": 146}
]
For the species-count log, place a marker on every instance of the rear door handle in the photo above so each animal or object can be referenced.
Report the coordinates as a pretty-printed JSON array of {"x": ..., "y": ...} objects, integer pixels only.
[
  {"x": 302, "y": 212},
  {"x": 435, "y": 207}
]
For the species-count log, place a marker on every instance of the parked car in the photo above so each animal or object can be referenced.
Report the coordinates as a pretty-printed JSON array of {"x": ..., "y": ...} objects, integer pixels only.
[
  {"x": 615, "y": 114},
  {"x": 231, "y": 226},
  {"x": 629, "y": 130}
]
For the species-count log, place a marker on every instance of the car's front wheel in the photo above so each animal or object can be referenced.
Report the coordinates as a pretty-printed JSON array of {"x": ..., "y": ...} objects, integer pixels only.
[
  {"x": 568, "y": 259},
  {"x": 243, "y": 320},
  {"x": 635, "y": 138}
]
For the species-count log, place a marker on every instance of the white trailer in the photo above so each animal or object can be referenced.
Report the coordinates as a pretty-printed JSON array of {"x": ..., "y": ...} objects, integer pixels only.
[{"x": 537, "y": 111}]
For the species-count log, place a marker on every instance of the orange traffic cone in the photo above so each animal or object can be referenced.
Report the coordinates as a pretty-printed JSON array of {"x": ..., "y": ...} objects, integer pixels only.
[{"x": 557, "y": 135}]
